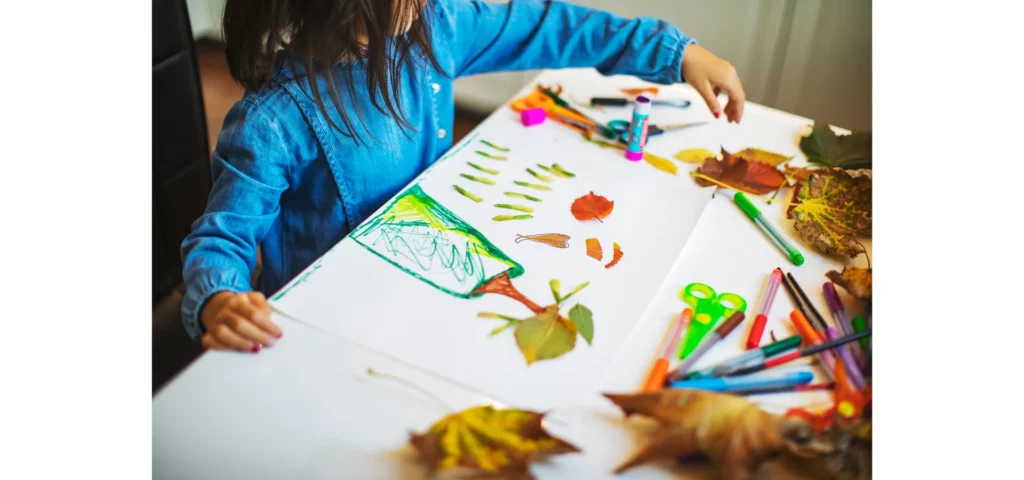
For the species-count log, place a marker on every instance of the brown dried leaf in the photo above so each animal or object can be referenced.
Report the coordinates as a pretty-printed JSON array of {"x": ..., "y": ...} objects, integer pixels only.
[
  {"x": 833, "y": 208},
  {"x": 734, "y": 434},
  {"x": 737, "y": 173},
  {"x": 594, "y": 249},
  {"x": 616, "y": 255},
  {"x": 556, "y": 240},
  {"x": 855, "y": 280}
]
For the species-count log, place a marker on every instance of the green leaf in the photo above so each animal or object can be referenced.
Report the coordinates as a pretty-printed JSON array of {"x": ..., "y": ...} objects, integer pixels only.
[
  {"x": 556, "y": 287},
  {"x": 545, "y": 336},
  {"x": 583, "y": 318},
  {"x": 824, "y": 147},
  {"x": 574, "y": 291}
]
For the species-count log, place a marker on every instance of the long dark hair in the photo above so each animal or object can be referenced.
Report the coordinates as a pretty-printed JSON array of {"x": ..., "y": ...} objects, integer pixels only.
[{"x": 320, "y": 33}]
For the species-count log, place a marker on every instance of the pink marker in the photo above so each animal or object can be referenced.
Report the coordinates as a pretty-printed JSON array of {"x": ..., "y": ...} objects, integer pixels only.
[{"x": 757, "y": 330}]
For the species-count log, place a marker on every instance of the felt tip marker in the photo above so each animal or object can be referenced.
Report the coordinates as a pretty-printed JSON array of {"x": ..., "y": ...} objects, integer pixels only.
[
  {"x": 753, "y": 356},
  {"x": 756, "y": 330},
  {"x": 745, "y": 384},
  {"x": 779, "y": 360},
  {"x": 721, "y": 332},
  {"x": 812, "y": 337},
  {"x": 780, "y": 242},
  {"x": 656, "y": 380},
  {"x": 853, "y": 371}
]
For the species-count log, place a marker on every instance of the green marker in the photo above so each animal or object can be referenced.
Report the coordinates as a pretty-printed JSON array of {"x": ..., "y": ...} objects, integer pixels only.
[
  {"x": 779, "y": 241},
  {"x": 858, "y": 326}
]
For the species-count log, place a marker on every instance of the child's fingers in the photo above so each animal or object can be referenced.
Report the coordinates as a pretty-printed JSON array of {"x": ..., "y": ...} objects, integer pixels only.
[
  {"x": 211, "y": 343},
  {"x": 705, "y": 91},
  {"x": 737, "y": 97},
  {"x": 224, "y": 334},
  {"x": 251, "y": 332},
  {"x": 264, "y": 322}
]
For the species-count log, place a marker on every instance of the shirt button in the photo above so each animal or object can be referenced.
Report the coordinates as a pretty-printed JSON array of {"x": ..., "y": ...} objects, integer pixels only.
[
  {"x": 437, "y": 88},
  {"x": 441, "y": 133}
]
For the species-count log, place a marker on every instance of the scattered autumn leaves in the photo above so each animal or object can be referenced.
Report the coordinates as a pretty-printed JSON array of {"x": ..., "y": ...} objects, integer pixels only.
[
  {"x": 595, "y": 251},
  {"x": 488, "y": 441},
  {"x": 748, "y": 174}
]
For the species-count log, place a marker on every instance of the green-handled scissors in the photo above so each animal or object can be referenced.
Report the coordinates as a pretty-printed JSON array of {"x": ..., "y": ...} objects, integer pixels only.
[
  {"x": 708, "y": 308},
  {"x": 621, "y": 127}
]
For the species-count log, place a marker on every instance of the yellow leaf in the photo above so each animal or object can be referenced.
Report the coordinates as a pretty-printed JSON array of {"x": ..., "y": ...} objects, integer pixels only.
[
  {"x": 488, "y": 440},
  {"x": 694, "y": 155},
  {"x": 661, "y": 163},
  {"x": 763, "y": 156}
]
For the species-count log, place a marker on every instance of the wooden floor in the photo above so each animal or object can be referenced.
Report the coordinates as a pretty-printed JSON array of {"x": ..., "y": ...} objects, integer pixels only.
[{"x": 220, "y": 92}]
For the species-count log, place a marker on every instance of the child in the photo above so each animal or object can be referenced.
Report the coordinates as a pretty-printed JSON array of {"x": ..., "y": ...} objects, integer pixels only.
[{"x": 347, "y": 101}]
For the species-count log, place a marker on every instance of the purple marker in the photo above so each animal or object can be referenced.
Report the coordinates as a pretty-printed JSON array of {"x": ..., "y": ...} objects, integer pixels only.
[
  {"x": 835, "y": 306},
  {"x": 852, "y": 369}
]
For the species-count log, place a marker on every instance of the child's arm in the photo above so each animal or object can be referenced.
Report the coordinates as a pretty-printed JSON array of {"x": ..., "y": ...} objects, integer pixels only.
[
  {"x": 534, "y": 34},
  {"x": 250, "y": 174}
]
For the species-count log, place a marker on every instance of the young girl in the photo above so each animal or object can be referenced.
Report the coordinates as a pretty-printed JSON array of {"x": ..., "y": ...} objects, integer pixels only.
[{"x": 347, "y": 101}]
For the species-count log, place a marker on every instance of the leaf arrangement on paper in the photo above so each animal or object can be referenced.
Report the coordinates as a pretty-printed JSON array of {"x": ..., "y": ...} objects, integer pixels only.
[
  {"x": 738, "y": 173},
  {"x": 832, "y": 209},
  {"x": 556, "y": 240},
  {"x": 591, "y": 207},
  {"x": 822, "y": 146},
  {"x": 595, "y": 251},
  {"x": 616, "y": 255},
  {"x": 488, "y": 441},
  {"x": 546, "y": 335}
]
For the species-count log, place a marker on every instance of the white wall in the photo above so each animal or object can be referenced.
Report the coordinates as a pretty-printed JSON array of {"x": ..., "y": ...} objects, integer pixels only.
[{"x": 809, "y": 57}]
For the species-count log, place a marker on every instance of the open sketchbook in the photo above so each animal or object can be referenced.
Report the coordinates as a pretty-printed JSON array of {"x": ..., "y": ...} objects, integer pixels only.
[{"x": 465, "y": 273}]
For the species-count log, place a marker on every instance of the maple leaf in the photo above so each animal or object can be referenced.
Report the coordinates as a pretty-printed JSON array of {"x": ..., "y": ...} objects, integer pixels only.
[
  {"x": 732, "y": 433},
  {"x": 616, "y": 255},
  {"x": 545, "y": 336},
  {"x": 833, "y": 208},
  {"x": 594, "y": 249},
  {"x": 855, "y": 280},
  {"x": 591, "y": 207},
  {"x": 490, "y": 441},
  {"x": 739, "y": 174},
  {"x": 823, "y": 146}
]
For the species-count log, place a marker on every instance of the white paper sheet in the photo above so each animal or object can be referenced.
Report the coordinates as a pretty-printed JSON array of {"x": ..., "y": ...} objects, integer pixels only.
[{"x": 356, "y": 294}]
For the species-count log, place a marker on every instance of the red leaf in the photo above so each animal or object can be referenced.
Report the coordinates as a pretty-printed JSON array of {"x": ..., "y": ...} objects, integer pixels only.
[{"x": 731, "y": 170}]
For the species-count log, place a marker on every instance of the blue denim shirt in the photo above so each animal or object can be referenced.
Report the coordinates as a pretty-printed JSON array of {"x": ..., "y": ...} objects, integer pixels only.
[{"x": 285, "y": 180}]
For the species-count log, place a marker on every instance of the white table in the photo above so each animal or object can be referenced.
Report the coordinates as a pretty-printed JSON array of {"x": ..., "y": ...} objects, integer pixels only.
[{"x": 307, "y": 409}]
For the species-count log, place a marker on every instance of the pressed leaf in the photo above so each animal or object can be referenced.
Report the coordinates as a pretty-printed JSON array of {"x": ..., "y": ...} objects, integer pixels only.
[
  {"x": 739, "y": 174},
  {"x": 833, "y": 208},
  {"x": 539, "y": 176},
  {"x": 594, "y": 249},
  {"x": 467, "y": 194},
  {"x": 485, "y": 181},
  {"x": 824, "y": 147},
  {"x": 491, "y": 156},
  {"x": 545, "y": 336},
  {"x": 591, "y": 207},
  {"x": 616, "y": 255},
  {"x": 855, "y": 280},
  {"x": 505, "y": 218},
  {"x": 694, "y": 155},
  {"x": 489, "y": 441},
  {"x": 660, "y": 163},
  {"x": 556, "y": 240},
  {"x": 533, "y": 186},
  {"x": 583, "y": 318},
  {"x": 521, "y": 208},
  {"x": 523, "y": 196},
  {"x": 552, "y": 171},
  {"x": 565, "y": 172},
  {"x": 483, "y": 169},
  {"x": 496, "y": 147},
  {"x": 762, "y": 156},
  {"x": 734, "y": 434},
  {"x": 556, "y": 288}
]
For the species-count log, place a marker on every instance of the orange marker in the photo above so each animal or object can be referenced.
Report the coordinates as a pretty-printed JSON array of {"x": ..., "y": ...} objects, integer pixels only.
[
  {"x": 656, "y": 380},
  {"x": 813, "y": 337}
]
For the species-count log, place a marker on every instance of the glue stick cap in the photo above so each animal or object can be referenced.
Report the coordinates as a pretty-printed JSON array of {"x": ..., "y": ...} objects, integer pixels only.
[
  {"x": 634, "y": 156},
  {"x": 642, "y": 105}
]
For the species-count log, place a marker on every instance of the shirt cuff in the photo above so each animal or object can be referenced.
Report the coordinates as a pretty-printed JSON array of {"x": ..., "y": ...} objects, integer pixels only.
[
  {"x": 199, "y": 292},
  {"x": 676, "y": 43}
]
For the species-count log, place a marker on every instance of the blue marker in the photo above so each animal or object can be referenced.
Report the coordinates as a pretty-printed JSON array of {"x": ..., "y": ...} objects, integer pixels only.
[
  {"x": 745, "y": 383},
  {"x": 638, "y": 129}
]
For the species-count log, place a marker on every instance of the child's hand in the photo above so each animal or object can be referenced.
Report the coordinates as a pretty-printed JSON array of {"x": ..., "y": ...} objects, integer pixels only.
[
  {"x": 711, "y": 75},
  {"x": 238, "y": 321}
]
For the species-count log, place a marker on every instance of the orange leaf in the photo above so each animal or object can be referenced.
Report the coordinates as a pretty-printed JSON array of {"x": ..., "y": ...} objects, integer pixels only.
[
  {"x": 616, "y": 255},
  {"x": 731, "y": 170},
  {"x": 592, "y": 207},
  {"x": 594, "y": 249},
  {"x": 633, "y": 92}
]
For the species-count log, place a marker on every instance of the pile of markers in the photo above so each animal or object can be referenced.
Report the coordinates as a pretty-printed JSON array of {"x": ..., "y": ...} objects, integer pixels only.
[{"x": 845, "y": 362}]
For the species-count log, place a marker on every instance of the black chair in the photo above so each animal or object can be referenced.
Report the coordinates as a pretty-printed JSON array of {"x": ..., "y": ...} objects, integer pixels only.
[{"x": 181, "y": 179}]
